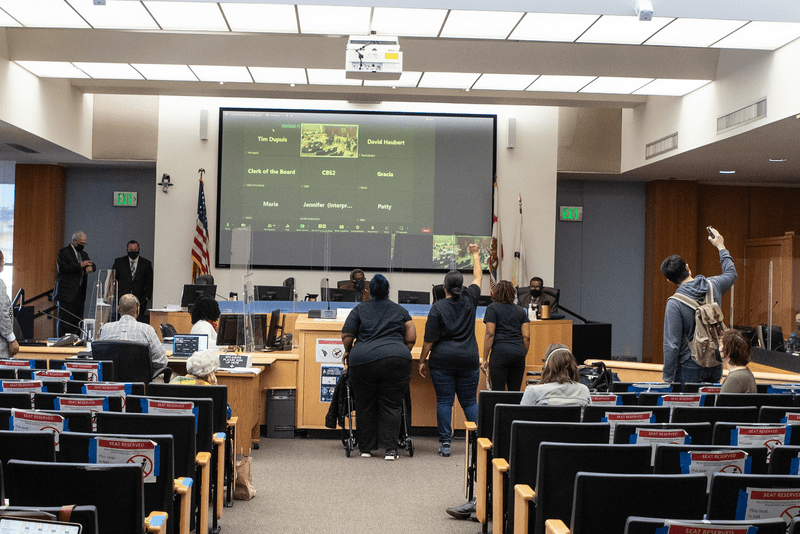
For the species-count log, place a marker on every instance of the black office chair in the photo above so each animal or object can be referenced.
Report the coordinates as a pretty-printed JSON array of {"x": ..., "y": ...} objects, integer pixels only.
[
  {"x": 289, "y": 282},
  {"x": 167, "y": 330},
  {"x": 438, "y": 292},
  {"x": 204, "y": 280},
  {"x": 131, "y": 359},
  {"x": 343, "y": 283}
]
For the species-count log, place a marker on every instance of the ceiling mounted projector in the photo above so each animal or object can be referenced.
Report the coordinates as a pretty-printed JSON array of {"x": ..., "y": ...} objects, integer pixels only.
[{"x": 373, "y": 57}]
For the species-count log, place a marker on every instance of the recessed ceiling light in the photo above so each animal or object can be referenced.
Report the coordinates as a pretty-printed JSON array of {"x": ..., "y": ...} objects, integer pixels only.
[
  {"x": 777, "y": 160},
  {"x": 187, "y": 16},
  {"x": 727, "y": 172},
  {"x": 467, "y": 24}
]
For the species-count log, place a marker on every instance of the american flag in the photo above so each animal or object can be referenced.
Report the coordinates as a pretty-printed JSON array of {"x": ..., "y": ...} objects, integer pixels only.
[{"x": 200, "y": 261}]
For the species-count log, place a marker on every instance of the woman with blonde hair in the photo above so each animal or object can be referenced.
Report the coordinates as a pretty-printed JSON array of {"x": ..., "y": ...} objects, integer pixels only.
[{"x": 560, "y": 383}]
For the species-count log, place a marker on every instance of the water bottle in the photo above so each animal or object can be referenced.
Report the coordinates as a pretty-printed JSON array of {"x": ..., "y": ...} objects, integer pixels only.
[{"x": 532, "y": 313}]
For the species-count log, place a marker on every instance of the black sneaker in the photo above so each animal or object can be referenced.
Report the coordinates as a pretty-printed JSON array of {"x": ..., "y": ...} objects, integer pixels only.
[
  {"x": 464, "y": 511},
  {"x": 391, "y": 455},
  {"x": 444, "y": 450}
]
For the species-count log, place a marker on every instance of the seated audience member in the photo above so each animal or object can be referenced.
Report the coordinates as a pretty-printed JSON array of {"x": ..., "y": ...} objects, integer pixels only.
[
  {"x": 735, "y": 352},
  {"x": 380, "y": 366},
  {"x": 507, "y": 339},
  {"x": 201, "y": 369},
  {"x": 205, "y": 314},
  {"x": 560, "y": 383},
  {"x": 129, "y": 329},
  {"x": 358, "y": 282},
  {"x": 537, "y": 296}
]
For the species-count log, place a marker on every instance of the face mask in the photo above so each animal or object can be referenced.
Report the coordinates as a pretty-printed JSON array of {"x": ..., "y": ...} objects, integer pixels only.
[
  {"x": 79, "y": 248},
  {"x": 133, "y": 254},
  {"x": 359, "y": 284},
  {"x": 536, "y": 292}
]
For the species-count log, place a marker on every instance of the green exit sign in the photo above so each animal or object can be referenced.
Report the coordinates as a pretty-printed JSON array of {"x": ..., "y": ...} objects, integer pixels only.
[
  {"x": 570, "y": 213},
  {"x": 126, "y": 199}
]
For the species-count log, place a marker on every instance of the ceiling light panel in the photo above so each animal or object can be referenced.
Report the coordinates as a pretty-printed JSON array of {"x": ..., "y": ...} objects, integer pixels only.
[
  {"x": 694, "y": 32},
  {"x": 480, "y": 24},
  {"x": 190, "y": 16},
  {"x": 334, "y": 20},
  {"x": 52, "y": 69},
  {"x": 330, "y": 77},
  {"x": 613, "y": 85},
  {"x": 8, "y": 22},
  {"x": 762, "y": 36},
  {"x": 172, "y": 73},
  {"x": 448, "y": 80},
  {"x": 560, "y": 84},
  {"x": 43, "y": 13},
  {"x": 616, "y": 29},
  {"x": 217, "y": 73},
  {"x": 115, "y": 15},
  {"x": 552, "y": 27},
  {"x": 504, "y": 82},
  {"x": 109, "y": 71},
  {"x": 278, "y": 75},
  {"x": 266, "y": 18},
  {"x": 407, "y": 79},
  {"x": 408, "y": 22},
  {"x": 663, "y": 87}
]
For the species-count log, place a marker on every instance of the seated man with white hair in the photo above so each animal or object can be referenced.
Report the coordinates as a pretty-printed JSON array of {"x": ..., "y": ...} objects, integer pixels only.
[{"x": 201, "y": 368}]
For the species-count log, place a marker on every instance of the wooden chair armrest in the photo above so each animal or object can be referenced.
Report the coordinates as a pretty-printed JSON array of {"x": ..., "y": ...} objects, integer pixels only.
[
  {"x": 482, "y": 479},
  {"x": 233, "y": 420},
  {"x": 523, "y": 497},
  {"x": 203, "y": 461},
  {"x": 156, "y": 522},
  {"x": 219, "y": 444},
  {"x": 183, "y": 487},
  {"x": 499, "y": 468},
  {"x": 470, "y": 426},
  {"x": 555, "y": 526}
]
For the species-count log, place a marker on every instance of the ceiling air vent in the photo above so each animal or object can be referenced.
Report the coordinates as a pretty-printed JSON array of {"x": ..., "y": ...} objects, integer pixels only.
[
  {"x": 747, "y": 114},
  {"x": 665, "y": 144},
  {"x": 22, "y": 148}
]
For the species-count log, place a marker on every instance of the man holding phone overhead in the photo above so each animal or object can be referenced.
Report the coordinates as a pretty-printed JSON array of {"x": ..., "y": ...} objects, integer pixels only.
[{"x": 679, "y": 319}]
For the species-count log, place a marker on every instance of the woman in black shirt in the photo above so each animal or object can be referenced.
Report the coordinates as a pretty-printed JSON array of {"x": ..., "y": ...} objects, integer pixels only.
[
  {"x": 380, "y": 366},
  {"x": 450, "y": 342},
  {"x": 507, "y": 339}
]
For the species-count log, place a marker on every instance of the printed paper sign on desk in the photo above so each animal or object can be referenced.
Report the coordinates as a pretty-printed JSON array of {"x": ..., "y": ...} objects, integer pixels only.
[
  {"x": 127, "y": 451},
  {"x": 329, "y": 350}
]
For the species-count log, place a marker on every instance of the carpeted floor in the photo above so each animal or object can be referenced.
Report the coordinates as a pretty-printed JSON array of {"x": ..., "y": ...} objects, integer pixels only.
[{"x": 308, "y": 485}]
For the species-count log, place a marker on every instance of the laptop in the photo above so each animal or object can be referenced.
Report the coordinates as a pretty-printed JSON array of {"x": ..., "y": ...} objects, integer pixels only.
[
  {"x": 184, "y": 345},
  {"x": 21, "y": 525}
]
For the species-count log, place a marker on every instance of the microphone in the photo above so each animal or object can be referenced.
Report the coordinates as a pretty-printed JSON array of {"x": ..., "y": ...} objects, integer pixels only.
[
  {"x": 84, "y": 332},
  {"x": 220, "y": 296},
  {"x": 69, "y": 312}
]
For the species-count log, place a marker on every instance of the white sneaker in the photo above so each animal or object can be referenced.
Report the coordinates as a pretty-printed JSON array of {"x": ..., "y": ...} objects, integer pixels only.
[
  {"x": 391, "y": 455},
  {"x": 366, "y": 455}
]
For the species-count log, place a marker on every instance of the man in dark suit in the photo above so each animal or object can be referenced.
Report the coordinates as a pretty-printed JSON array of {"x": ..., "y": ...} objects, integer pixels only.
[
  {"x": 73, "y": 267},
  {"x": 134, "y": 275}
]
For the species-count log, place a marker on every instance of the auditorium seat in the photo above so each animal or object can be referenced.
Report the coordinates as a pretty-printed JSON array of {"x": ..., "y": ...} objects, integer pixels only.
[
  {"x": 650, "y": 525},
  {"x": 131, "y": 359},
  {"x": 723, "y": 498}
]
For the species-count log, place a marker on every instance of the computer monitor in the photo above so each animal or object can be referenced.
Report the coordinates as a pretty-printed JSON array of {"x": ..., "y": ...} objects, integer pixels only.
[
  {"x": 230, "y": 329},
  {"x": 749, "y": 333},
  {"x": 276, "y": 325},
  {"x": 273, "y": 293},
  {"x": 259, "y": 325},
  {"x": 338, "y": 294},
  {"x": 184, "y": 345},
  {"x": 192, "y": 291},
  {"x": 413, "y": 297}
]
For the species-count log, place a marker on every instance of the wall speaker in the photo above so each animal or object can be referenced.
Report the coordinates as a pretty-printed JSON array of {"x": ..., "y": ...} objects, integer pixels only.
[
  {"x": 511, "y": 139},
  {"x": 204, "y": 125}
]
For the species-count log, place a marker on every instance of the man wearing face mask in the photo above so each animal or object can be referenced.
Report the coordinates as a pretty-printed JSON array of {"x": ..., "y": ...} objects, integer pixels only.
[
  {"x": 358, "y": 283},
  {"x": 537, "y": 297},
  {"x": 73, "y": 267},
  {"x": 134, "y": 275}
]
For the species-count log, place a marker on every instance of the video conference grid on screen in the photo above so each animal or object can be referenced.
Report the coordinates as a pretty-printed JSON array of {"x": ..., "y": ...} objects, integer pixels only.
[{"x": 355, "y": 189}]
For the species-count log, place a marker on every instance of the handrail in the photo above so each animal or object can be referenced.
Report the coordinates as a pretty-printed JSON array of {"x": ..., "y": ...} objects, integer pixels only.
[
  {"x": 20, "y": 296},
  {"x": 46, "y": 312}
]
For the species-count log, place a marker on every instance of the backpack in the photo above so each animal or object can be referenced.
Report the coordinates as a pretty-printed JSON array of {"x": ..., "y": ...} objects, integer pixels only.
[
  {"x": 708, "y": 328},
  {"x": 597, "y": 377}
]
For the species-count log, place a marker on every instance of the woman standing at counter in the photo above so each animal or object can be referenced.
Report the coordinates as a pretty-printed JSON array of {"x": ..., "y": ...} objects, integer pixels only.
[
  {"x": 450, "y": 342},
  {"x": 379, "y": 365},
  {"x": 507, "y": 339}
]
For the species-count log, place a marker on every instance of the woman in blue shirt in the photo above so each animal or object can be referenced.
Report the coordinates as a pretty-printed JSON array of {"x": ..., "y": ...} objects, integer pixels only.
[{"x": 379, "y": 365}]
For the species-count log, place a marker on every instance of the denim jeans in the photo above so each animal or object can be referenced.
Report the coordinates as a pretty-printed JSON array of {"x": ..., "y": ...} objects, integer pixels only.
[
  {"x": 451, "y": 382},
  {"x": 689, "y": 371}
]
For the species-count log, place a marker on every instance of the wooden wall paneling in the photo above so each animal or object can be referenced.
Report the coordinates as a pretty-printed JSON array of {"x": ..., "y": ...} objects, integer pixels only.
[
  {"x": 726, "y": 208},
  {"x": 773, "y": 211},
  {"x": 670, "y": 228},
  {"x": 39, "y": 210}
]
